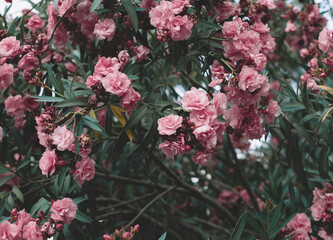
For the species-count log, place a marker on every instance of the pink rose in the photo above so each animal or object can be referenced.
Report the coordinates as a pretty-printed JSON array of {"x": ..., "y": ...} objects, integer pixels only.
[
  {"x": 35, "y": 23},
  {"x": 250, "y": 80},
  {"x": 63, "y": 138},
  {"x": 161, "y": 15},
  {"x": 63, "y": 210},
  {"x": 170, "y": 149},
  {"x": 180, "y": 28},
  {"x": 9, "y": 47},
  {"x": 31, "y": 104},
  {"x": 92, "y": 80},
  {"x": 44, "y": 139},
  {"x": 65, "y": 5},
  {"x": 141, "y": 53},
  {"x": 207, "y": 137},
  {"x": 31, "y": 231},
  {"x": 10, "y": 231},
  {"x": 168, "y": 125},
  {"x": 123, "y": 57},
  {"x": 6, "y": 76},
  {"x": 108, "y": 65},
  {"x": 179, "y": 5},
  {"x": 205, "y": 116},
  {"x": 14, "y": 106},
  {"x": 259, "y": 60},
  {"x": 300, "y": 221},
  {"x": 325, "y": 42},
  {"x": 195, "y": 99},
  {"x": 201, "y": 158},
  {"x": 220, "y": 103},
  {"x": 105, "y": 30},
  {"x": 291, "y": 27},
  {"x": 47, "y": 162},
  {"x": 85, "y": 170},
  {"x": 116, "y": 83},
  {"x": 28, "y": 62},
  {"x": 299, "y": 234},
  {"x": 317, "y": 210},
  {"x": 129, "y": 100},
  {"x": 234, "y": 117}
]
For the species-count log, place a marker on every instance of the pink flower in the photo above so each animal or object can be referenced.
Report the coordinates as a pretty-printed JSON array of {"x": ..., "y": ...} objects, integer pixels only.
[
  {"x": 65, "y": 5},
  {"x": 234, "y": 117},
  {"x": 6, "y": 76},
  {"x": 44, "y": 139},
  {"x": 291, "y": 27},
  {"x": 299, "y": 234},
  {"x": 10, "y": 231},
  {"x": 313, "y": 63},
  {"x": 220, "y": 103},
  {"x": 31, "y": 231},
  {"x": 63, "y": 210},
  {"x": 180, "y": 28},
  {"x": 259, "y": 60},
  {"x": 179, "y": 5},
  {"x": 47, "y": 162},
  {"x": 85, "y": 170},
  {"x": 201, "y": 158},
  {"x": 267, "y": 3},
  {"x": 129, "y": 100},
  {"x": 14, "y": 106},
  {"x": 203, "y": 117},
  {"x": 123, "y": 57},
  {"x": 170, "y": 149},
  {"x": 207, "y": 137},
  {"x": 273, "y": 111},
  {"x": 108, "y": 65},
  {"x": 20, "y": 122},
  {"x": 35, "y": 23},
  {"x": 148, "y": 4},
  {"x": 325, "y": 40},
  {"x": 317, "y": 210},
  {"x": 195, "y": 99},
  {"x": 1, "y": 134},
  {"x": 141, "y": 53},
  {"x": 317, "y": 195},
  {"x": 28, "y": 62},
  {"x": 92, "y": 80},
  {"x": 310, "y": 82},
  {"x": 105, "y": 30},
  {"x": 31, "y": 104},
  {"x": 9, "y": 47},
  {"x": 116, "y": 83},
  {"x": 325, "y": 235},
  {"x": 63, "y": 138},
  {"x": 250, "y": 80},
  {"x": 71, "y": 67},
  {"x": 161, "y": 15},
  {"x": 168, "y": 125},
  {"x": 300, "y": 221}
]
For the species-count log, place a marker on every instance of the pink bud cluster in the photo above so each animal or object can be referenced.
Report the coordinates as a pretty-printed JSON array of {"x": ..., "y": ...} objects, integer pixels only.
[
  {"x": 57, "y": 139},
  {"x": 321, "y": 210},
  {"x": 168, "y": 21},
  {"x": 23, "y": 226},
  {"x": 107, "y": 78},
  {"x": 122, "y": 234}
]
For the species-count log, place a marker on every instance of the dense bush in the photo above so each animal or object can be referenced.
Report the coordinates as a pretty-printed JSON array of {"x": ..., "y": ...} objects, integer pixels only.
[{"x": 137, "y": 119}]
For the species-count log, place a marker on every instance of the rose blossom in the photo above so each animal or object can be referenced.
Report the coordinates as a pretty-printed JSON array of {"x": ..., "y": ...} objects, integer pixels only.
[
  {"x": 250, "y": 80},
  {"x": 325, "y": 42},
  {"x": 141, "y": 53},
  {"x": 205, "y": 116},
  {"x": 35, "y": 23},
  {"x": 179, "y": 5},
  {"x": 105, "y": 29},
  {"x": 129, "y": 100},
  {"x": 108, "y": 65},
  {"x": 168, "y": 125},
  {"x": 63, "y": 210},
  {"x": 63, "y": 138},
  {"x": 161, "y": 15},
  {"x": 180, "y": 28},
  {"x": 47, "y": 162},
  {"x": 195, "y": 99},
  {"x": 170, "y": 149},
  {"x": 85, "y": 170},
  {"x": 6, "y": 76},
  {"x": 123, "y": 57},
  {"x": 300, "y": 221},
  {"x": 207, "y": 136},
  {"x": 116, "y": 83},
  {"x": 10, "y": 231},
  {"x": 28, "y": 62},
  {"x": 92, "y": 80},
  {"x": 317, "y": 210},
  {"x": 9, "y": 47},
  {"x": 14, "y": 105},
  {"x": 31, "y": 231}
]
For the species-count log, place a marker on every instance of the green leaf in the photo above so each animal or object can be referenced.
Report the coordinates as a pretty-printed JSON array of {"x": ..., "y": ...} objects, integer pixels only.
[
  {"x": 38, "y": 205},
  {"x": 163, "y": 236},
  {"x": 136, "y": 117},
  {"x": 61, "y": 177},
  {"x": 18, "y": 194},
  {"x": 131, "y": 12},
  {"x": 238, "y": 230},
  {"x": 73, "y": 102},
  {"x": 94, "y": 5},
  {"x": 25, "y": 163},
  {"x": 5, "y": 179},
  {"x": 272, "y": 235},
  {"x": 94, "y": 126},
  {"x": 292, "y": 196},
  {"x": 80, "y": 216},
  {"x": 205, "y": 24},
  {"x": 53, "y": 79},
  {"x": 323, "y": 162},
  {"x": 47, "y": 99},
  {"x": 78, "y": 200}
]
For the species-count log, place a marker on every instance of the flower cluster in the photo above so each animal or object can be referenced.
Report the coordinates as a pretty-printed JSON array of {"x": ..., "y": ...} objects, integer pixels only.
[
  {"x": 122, "y": 234},
  {"x": 168, "y": 19},
  {"x": 298, "y": 228},
  {"x": 201, "y": 130},
  {"x": 23, "y": 226},
  {"x": 321, "y": 210}
]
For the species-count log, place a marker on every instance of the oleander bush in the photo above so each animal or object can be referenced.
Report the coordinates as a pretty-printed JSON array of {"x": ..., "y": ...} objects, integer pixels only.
[{"x": 180, "y": 119}]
